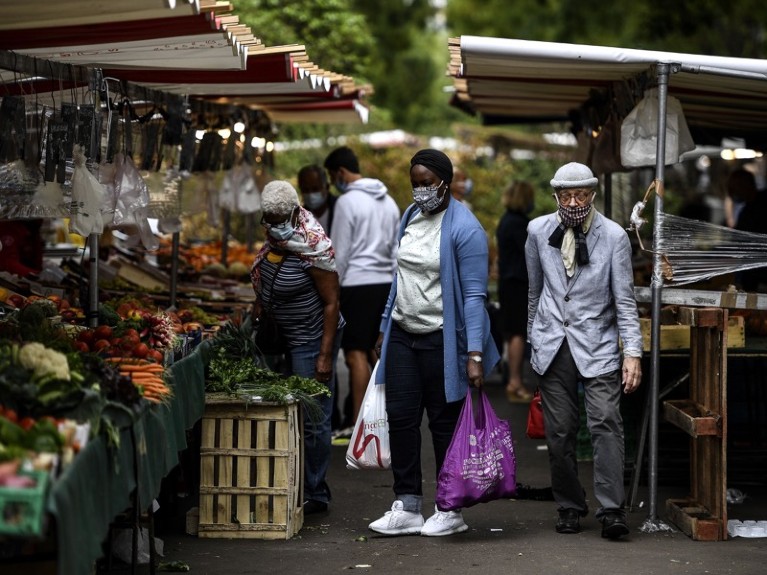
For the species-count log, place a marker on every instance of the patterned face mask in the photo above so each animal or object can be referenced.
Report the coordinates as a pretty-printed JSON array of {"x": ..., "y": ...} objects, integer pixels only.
[
  {"x": 427, "y": 197},
  {"x": 574, "y": 215}
]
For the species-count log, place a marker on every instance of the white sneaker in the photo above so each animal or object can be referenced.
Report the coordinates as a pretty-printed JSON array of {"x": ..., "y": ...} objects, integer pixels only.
[
  {"x": 444, "y": 523},
  {"x": 398, "y": 521}
]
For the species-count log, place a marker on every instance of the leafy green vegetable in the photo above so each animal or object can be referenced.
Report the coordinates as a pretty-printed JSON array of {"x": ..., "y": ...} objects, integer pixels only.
[{"x": 244, "y": 378}]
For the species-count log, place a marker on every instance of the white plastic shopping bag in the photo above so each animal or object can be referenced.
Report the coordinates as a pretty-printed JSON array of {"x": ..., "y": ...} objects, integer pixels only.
[
  {"x": 639, "y": 132},
  {"x": 369, "y": 445}
]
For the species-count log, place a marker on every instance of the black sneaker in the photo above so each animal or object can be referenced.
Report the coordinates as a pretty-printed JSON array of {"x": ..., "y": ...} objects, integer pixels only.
[
  {"x": 614, "y": 526},
  {"x": 312, "y": 506},
  {"x": 569, "y": 521}
]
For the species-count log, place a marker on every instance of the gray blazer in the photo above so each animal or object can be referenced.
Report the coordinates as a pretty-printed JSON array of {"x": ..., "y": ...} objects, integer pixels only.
[{"x": 592, "y": 309}]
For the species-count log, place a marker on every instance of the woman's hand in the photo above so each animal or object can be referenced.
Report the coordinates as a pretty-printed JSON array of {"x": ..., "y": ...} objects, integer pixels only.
[
  {"x": 475, "y": 371},
  {"x": 323, "y": 368}
]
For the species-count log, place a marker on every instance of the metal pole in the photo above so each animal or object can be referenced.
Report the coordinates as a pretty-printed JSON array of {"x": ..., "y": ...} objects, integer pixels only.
[
  {"x": 225, "y": 237},
  {"x": 93, "y": 280},
  {"x": 174, "y": 256},
  {"x": 174, "y": 269},
  {"x": 609, "y": 195},
  {"x": 662, "y": 71}
]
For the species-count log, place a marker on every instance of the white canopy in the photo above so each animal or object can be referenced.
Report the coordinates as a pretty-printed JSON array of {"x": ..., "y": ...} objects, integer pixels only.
[{"x": 522, "y": 81}]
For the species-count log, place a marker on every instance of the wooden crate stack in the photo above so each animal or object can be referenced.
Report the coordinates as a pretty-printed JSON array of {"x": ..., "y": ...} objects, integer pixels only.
[{"x": 251, "y": 462}]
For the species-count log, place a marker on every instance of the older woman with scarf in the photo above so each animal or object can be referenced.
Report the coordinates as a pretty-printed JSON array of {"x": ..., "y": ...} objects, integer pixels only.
[
  {"x": 294, "y": 277},
  {"x": 435, "y": 338}
]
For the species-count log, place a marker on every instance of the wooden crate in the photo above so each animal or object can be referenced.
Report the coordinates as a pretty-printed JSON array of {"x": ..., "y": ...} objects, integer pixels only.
[
  {"x": 678, "y": 336},
  {"x": 251, "y": 463}
]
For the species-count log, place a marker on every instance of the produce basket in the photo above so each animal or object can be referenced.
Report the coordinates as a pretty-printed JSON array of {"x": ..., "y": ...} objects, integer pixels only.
[{"x": 22, "y": 509}]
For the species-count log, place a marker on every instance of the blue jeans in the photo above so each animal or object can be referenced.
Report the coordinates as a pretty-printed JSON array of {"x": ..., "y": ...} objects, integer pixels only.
[
  {"x": 302, "y": 361},
  {"x": 415, "y": 382}
]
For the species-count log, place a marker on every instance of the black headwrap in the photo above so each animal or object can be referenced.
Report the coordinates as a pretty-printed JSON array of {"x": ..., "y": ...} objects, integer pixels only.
[{"x": 436, "y": 161}]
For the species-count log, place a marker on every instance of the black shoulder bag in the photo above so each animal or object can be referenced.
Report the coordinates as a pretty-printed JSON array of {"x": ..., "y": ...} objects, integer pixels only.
[{"x": 269, "y": 340}]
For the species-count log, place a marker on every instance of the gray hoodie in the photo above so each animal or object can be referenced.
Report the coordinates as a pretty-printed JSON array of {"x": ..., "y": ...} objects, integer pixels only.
[{"x": 365, "y": 223}]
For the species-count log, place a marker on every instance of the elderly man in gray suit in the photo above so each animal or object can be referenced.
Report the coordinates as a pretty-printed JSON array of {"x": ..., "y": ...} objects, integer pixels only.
[{"x": 581, "y": 301}]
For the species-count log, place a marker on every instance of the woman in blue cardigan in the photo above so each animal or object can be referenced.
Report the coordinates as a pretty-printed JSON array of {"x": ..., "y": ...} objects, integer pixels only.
[{"x": 435, "y": 338}]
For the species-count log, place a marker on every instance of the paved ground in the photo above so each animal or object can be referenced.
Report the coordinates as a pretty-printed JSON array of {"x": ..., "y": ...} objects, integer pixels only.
[{"x": 504, "y": 537}]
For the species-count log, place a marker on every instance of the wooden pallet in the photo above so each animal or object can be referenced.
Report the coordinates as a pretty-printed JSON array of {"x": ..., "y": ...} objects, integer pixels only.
[{"x": 703, "y": 416}]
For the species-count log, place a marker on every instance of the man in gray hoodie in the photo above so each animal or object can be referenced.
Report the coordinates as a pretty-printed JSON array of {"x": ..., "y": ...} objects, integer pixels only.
[{"x": 365, "y": 225}]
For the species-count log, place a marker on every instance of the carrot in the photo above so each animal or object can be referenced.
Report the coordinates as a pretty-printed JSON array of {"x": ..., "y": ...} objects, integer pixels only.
[{"x": 141, "y": 368}]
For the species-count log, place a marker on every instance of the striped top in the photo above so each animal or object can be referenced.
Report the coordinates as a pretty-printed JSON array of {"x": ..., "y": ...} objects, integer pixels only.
[{"x": 293, "y": 300}]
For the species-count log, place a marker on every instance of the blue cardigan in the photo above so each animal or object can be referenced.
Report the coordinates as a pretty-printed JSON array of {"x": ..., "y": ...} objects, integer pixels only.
[{"x": 463, "y": 255}]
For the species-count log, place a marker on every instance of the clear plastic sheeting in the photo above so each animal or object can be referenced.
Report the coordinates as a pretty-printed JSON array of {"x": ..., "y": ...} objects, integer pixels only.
[
  {"x": 24, "y": 194},
  {"x": 694, "y": 251}
]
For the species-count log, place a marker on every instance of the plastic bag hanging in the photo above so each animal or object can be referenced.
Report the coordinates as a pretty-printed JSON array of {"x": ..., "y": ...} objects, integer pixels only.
[
  {"x": 130, "y": 191},
  {"x": 639, "y": 132},
  {"x": 87, "y": 198}
]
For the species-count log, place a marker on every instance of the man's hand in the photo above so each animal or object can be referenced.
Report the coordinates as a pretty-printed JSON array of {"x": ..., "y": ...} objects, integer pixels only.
[{"x": 632, "y": 374}]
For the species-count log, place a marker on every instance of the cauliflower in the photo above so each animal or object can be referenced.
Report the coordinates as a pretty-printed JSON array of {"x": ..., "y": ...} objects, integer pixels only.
[{"x": 44, "y": 361}]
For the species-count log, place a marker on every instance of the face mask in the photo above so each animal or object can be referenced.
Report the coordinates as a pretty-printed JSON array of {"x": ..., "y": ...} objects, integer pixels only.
[
  {"x": 341, "y": 186},
  {"x": 574, "y": 215},
  {"x": 282, "y": 232},
  {"x": 314, "y": 200},
  {"x": 427, "y": 197},
  {"x": 468, "y": 187}
]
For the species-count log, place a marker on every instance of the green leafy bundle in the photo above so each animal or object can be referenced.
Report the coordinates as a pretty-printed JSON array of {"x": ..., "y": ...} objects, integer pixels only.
[{"x": 241, "y": 376}]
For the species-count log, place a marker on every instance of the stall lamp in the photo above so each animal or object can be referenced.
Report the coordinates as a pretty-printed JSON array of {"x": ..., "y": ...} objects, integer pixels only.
[
  {"x": 224, "y": 133},
  {"x": 257, "y": 142},
  {"x": 239, "y": 127},
  {"x": 739, "y": 154},
  {"x": 198, "y": 135},
  {"x": 270, "y": 146}
]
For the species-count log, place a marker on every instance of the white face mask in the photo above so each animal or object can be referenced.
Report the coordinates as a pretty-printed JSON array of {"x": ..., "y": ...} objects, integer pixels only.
[
  {"x": 314, "y": 200},
  {"x": 427, "y": 197}
]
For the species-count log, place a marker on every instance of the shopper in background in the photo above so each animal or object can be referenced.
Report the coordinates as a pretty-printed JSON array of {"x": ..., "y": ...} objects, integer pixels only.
[
  {"x": 435, "y": 338},
  {"x": 581, "y": 301},
  {"x": 365, "y": 236},
  {"x": 742, "y": 183},
  {"x": 511, "y": 235},
  {"x": 294, "y": 277},
  {"x": 462, "y": 186},
  {"x": 315, "y": 193}
]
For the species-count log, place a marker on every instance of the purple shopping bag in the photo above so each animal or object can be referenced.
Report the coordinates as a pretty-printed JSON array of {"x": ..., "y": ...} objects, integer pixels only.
[{"x": 480, "y": 464}]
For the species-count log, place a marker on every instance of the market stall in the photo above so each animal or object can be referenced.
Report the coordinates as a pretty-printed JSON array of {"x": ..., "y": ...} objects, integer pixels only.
[
  {"x": 125, "y": 121},
  {"x": 597, "y": 90}
]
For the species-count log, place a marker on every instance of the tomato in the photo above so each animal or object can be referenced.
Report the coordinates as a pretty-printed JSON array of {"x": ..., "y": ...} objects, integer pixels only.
[
  {"x": 103, "y": 332},
  {"x": 130, "y": 332},
  {"x": 82, "y": 347},
  {"x": 11, "y": 415},
  {"x": 141, "y": 350},
  {"x": 131, "y": 338},
  {"x": 27, "y": 423},
  {"x": 100, "y": 344},
  {"x": 155, "y": 355},
  {"x": 87, "y": 335}
]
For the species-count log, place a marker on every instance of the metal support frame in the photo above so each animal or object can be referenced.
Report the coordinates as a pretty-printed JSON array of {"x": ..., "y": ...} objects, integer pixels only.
[{"x": 652, "y": 523}]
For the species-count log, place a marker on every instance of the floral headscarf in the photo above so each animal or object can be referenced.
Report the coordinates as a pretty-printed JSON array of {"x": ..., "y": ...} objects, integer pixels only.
[{"x": 310, "y": 243}]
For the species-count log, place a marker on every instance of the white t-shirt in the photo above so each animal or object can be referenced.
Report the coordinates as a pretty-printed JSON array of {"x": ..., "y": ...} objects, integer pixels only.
[{"x": 418, "y": 308}]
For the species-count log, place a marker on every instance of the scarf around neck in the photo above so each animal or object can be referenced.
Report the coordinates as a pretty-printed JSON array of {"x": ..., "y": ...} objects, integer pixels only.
[{"x": 571, "y": 240}]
